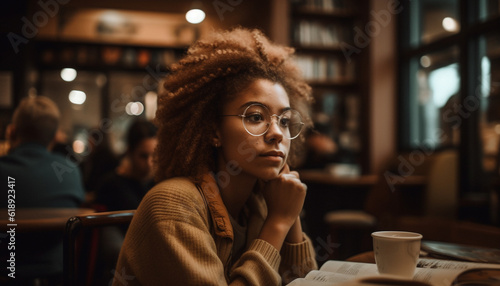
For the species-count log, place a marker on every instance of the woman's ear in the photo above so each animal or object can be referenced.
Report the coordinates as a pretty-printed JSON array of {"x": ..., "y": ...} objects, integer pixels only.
[{"x": 216, "y": 141}]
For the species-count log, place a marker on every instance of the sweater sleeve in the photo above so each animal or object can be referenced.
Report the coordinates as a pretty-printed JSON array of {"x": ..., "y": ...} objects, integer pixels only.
[
  {"x": 260, "y": 257},
  {"x": 297, "y": 260},
  {"x": 169, "y": 242}
]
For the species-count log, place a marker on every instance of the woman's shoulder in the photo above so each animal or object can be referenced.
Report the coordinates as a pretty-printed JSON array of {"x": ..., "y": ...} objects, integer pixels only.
[
  {"x": 175, "y": 192},
  {"x": 171, "y": 204},
  {"x": 179, "y": 186}
]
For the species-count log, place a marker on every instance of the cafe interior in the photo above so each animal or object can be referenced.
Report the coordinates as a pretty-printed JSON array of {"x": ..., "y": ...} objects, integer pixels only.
[{"x": 406, "y": 105}]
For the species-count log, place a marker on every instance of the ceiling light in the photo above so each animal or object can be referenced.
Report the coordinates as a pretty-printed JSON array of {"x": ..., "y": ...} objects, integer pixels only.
[
  {"x": 450, "y": 24},
  {"x": 195, "y": 16},
  {"x": 77, "y": 97},
  {"x": 68, "y": 74},
  {"x": 112, "y": 17}
]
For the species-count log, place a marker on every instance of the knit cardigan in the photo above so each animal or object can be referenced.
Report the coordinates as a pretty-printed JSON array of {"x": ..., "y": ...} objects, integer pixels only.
[{"x": 181, "y": 235}]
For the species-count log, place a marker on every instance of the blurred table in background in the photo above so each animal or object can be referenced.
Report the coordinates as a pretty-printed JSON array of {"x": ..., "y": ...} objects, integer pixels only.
[
  {"x": 324, "y": 177},
  {"x": 330, "y": 193}
]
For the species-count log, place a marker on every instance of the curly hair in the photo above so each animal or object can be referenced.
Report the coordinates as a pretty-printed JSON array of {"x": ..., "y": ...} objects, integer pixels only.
[{"x": 212, "y": 72}]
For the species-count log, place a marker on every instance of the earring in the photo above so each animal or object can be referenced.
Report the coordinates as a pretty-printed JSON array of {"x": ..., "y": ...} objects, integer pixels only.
[{"x": 216, "y": 143}]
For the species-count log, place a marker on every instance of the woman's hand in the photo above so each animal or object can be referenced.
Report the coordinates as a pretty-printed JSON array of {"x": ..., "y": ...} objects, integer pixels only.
[{"x": 284, "y": 197}]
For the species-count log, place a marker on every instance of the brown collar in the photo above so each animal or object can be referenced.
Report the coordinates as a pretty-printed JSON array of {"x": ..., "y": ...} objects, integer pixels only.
[{"x": 219, "y": 214}]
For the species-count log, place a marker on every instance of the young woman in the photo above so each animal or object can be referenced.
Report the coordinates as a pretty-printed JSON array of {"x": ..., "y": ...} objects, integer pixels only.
[{"x": 226, "y": 210}]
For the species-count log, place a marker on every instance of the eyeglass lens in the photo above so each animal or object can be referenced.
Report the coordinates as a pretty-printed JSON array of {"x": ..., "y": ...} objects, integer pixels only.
[{"x": 257, "y": 120}]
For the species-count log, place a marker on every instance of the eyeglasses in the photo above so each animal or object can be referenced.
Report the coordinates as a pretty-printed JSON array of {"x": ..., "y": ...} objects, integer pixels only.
[{"x": 257, "y": 120}]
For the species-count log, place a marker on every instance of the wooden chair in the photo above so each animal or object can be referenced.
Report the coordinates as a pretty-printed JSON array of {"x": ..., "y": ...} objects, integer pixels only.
[{"x": 81, "y": 243}]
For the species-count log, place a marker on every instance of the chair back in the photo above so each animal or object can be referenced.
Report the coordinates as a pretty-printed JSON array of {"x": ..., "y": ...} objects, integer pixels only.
[{"x": 74, "y": 245}]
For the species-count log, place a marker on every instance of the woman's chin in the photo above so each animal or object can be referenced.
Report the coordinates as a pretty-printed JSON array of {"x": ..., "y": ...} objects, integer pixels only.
[{"x": 270, "y": 175}]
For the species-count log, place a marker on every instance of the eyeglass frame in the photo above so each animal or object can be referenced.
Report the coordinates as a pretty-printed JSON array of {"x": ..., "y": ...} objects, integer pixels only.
[{"x": 243, "y": 116}]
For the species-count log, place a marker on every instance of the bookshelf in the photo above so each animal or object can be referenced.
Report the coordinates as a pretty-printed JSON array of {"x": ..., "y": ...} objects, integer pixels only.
[
  {"x": 321, "y": 32},
  {"x": 104, "y": 56}
]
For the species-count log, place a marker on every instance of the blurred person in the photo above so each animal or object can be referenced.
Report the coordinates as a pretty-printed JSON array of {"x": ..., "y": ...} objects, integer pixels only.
[
  {"x": 124, "y": 188},
  {"x": 226, "y": 208},
  {"x": 450, "y": 119},
  {"x": 42, "y": 180},
  {"x": 100, "y": 162}
]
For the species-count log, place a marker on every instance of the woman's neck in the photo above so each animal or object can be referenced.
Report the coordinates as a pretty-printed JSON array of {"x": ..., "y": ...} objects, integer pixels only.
[{"x": 235, "y": 191}]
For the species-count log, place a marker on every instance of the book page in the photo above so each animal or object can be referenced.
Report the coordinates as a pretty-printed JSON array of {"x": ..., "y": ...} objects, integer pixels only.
[
  {"x": 342, "y": 279},
  {"x": 355, "y": 269},
  {"x": 444, "y": 272},
  {"x": 324, "y": 276},
  {"x": 433, "y": 276},
  {"x": 436, "y": 277},
  {"x": 451, "y": 264},
  {"x": 429, "y": 271},
  {"x": 461, "y": 252},
  {"x": 307, "y": 282}
]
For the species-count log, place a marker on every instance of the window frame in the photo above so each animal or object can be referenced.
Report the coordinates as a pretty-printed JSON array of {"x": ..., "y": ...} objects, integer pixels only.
[{"x": 471, "y": 175}]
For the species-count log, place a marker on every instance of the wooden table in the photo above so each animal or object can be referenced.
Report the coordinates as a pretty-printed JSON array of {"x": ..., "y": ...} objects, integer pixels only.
[
  {"x": 365, "y": 257},
  {"x": 39, "y": 219}
]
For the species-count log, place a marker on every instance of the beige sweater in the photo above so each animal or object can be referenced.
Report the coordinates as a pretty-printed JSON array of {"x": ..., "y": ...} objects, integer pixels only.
[{"x": 182, "y": 235}]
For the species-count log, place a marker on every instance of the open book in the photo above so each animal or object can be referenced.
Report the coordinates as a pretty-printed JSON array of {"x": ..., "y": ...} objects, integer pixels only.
[
  {"x": 461, "y": 252},
  {"x": 429, "y": 272}
]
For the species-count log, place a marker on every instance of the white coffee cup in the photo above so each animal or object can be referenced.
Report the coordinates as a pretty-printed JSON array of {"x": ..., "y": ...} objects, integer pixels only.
[{"x": 396, "y": 252}]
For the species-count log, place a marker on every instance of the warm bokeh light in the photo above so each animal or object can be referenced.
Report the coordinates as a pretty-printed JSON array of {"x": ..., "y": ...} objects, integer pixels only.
[
  {"x": 450, "y": 24},
  {"x": 112, "y": 17},
  {"x": 134, "y": 108},
  {"x": 425, "y": 61},
  {"x": 101, "y": 80},
  {"x": 77, "y": 96},
  {"x": 78, "y": 146},
  {"x": 68, "y": 74},
  {"x": 195, "y": 16},
  {"x": 497, "y": 129},
  {"x": 150, "y": 100}
]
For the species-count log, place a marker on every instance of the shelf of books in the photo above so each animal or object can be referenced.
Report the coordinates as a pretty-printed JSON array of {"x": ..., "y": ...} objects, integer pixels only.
[
  {"x": 55, "y": 54},
  {"x": 321, "y": 31}
]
